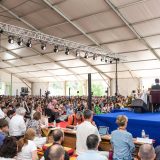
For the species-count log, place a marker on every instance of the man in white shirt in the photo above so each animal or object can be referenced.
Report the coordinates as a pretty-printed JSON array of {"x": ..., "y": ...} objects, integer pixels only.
[
  {"x": 84, "y": 130},
  {"x": 2, "y": 115},
  {"x": 92, "y": 153},
  {"x": 17, "y": 126}
]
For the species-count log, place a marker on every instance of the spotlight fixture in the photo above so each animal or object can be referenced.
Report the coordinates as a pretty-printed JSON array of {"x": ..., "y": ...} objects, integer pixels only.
[
  {"x": 95, "y": 57},
  {"x": 20, "y": 41},
  {"x": 77, "y": 53},
  {"x": 43, "y": 46},
  {"x": 106, "y": 59},
  {"x": 110, "y": 61},
  {"x": 67, "y": 51},
  {"x": 1, "y": 31},
  {"x": 86, "y": 55},
  {"x": 29, "y": 44},
  {"x": 11, "y": 39},
  {"x": 102, "y": 58},
  {"x": 55, "y": 49}
]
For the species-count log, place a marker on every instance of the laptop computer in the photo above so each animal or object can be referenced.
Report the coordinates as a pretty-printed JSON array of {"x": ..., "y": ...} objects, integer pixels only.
[{"x": 103, "y": 130}]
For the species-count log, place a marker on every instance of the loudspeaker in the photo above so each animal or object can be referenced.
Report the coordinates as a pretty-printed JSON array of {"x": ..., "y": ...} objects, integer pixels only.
[
  {"x": 139, "y": 106},
  {"x": 24, "y": 91}
]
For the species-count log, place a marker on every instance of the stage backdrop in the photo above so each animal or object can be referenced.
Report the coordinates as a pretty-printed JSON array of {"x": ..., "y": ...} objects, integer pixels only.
[{"x": 150, "y": 122}]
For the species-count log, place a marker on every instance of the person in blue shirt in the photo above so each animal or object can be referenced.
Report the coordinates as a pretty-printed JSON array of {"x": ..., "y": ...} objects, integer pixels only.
[
  {"x": 92, "y": 153},
  {"x": 122, "y": 141},
  {"x": 3, "y": 130}
]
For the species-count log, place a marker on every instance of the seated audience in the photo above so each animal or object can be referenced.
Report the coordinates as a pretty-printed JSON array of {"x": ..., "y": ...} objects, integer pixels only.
[
  {"x": 58, "y": 137},
  {"x": 97, "y": 108},
  {"x": 26, "y": 147},
  {"x": 17, "y": 126},
  {"x": 76, "y": 118},
  {"x": 146, "y": 152},
  {"x": 156, "y": 86},
  {"x": 8, "y": 150},
  {"x": 2, "y": 114},
  {"x": 56, "y": 152},
  {"x": 122, "y": 141},
  {"x": 35, "y": 123},
  {"x": 3, "y": 130},
  {"x": 37, "y": 108},
  {"x": 10, "y": 114},
  {"x": 92, "y": 153},
  {"x": 84, "y": 130},
  {"x": 157, "y": 150}
]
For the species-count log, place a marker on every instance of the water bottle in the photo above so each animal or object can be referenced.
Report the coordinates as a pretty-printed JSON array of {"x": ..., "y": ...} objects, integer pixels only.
[
  {"x": 143, "y": 134},
  {"x": 54, "y": 123}
]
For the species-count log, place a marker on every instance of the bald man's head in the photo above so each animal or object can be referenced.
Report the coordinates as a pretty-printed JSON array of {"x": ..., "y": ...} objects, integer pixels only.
[
  {"x": 56, "y": 152},
  {"x": 58, "y": 135},
  {"x": 147, "y": 152}
]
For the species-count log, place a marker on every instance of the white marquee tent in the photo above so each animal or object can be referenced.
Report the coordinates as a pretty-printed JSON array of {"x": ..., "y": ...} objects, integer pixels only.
[{"x": 129, "y": 28}]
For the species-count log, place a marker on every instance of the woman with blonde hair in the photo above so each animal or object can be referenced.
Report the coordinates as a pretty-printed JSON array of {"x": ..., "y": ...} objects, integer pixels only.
[
  {"x": 122, "y": 141},
  {"x": 26, "y": 147}
]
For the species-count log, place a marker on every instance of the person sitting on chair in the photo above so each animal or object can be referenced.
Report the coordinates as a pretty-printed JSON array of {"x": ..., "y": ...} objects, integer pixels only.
[
  {"x": 156, "y": 86},
  {"x": 74, "y": 119},
  {"x": 146, "y": 152},
  {"x": 58, "y": 138},
  {"x": 92, "y": 152}
]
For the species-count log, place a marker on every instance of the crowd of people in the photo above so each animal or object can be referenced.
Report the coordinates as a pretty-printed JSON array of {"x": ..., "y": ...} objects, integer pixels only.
[{"x": 23, "y": 118}]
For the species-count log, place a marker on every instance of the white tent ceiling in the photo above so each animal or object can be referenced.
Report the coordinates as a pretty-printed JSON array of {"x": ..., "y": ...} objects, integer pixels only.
[{"x": 127, "y": 27}]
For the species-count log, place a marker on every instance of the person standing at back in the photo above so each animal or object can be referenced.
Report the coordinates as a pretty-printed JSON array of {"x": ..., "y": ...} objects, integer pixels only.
[
  {"x": 122, "y": 141},
  {"x": 84, "y": 130}
]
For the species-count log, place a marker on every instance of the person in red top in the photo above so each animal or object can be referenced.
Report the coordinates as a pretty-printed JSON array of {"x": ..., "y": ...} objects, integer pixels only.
[{"x": 74, "y": 119}]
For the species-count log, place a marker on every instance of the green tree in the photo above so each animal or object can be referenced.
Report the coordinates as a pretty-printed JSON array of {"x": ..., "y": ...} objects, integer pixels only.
[{"x": 97, "y": 89}]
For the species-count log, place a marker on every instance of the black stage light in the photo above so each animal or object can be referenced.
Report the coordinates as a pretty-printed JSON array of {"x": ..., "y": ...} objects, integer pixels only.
[
  {"x": 1, "y": 31},
  {"x": 110, "y": 60},
  {"x": 20, "y": 41},
  {"x": 11, "y": 39},
  {"x": 67, "y": 51},
  {"x": 102, "y": 59},
  {"x": 29, "y": 44},
  {"x": 77, "y": 53},
  {"x": 43, "y": 46},
  {"x": 95, "y": 57},
  {"x": 55, "y": 49},
  {"x": 86, "y": 55},
  {"x": 106, "y": 59}
]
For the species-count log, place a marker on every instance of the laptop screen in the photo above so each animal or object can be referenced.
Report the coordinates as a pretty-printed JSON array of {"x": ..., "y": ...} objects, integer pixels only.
[{"x": 103, "y": 130}]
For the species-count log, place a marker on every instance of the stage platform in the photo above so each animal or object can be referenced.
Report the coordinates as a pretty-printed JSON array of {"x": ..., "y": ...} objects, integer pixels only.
[{"x": 150, "y": 122}]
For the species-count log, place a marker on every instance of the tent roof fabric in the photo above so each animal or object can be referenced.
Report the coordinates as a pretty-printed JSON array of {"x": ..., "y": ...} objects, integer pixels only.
[{"x": 129, "y": 28}]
